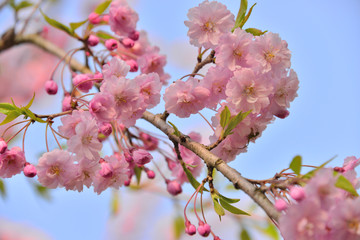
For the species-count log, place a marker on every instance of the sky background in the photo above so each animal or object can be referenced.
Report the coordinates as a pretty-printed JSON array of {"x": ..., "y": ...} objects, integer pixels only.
[{"x": 323, "y": 37}]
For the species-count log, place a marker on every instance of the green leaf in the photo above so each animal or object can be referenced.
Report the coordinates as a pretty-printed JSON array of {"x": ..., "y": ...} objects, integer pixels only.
[
  {"x": 218, "y": 208},
  {"x": 2, "y": 189},
  {"x": 270, "y": 231},
  {"x": 241, "y": 14},
  {"x": 115, "y": 203},
  {"x": 191, "y": 178},
  {"x": 255, "y": 31},
  {"x": 31, "y": 102},
  {"x": 104, "y": 35},
  {"x": 42, "y": 191},
  {"x": 11, "y": 116},
  {"x": 295, "y": 164},
  {"x": 31, "y": 115},
  {"x": 6, "y": 108},
  {"x": 76, "y": 25},
  {"x": 102, "y": 7},
  {"x": 57, "y": 24},
  {"x": 23, "y": 4},
  {"x": 343, "y": 183},
  {"x": 247, "y": 16},
  {"x": 176, "y": 131},
  {"x": 232, "y": 209},
  {"x": 244, "y": 235},
  {"x": 234, "y": 121},
  {"x": 225, "y": 117},
  {"x": 138, "y": 171},
  {"x": 228, "y": 200},
  {"x": 179, "y": 227}
]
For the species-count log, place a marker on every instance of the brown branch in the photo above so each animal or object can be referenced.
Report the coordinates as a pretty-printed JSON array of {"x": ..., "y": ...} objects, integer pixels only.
[{"x": 210, "y": 159}]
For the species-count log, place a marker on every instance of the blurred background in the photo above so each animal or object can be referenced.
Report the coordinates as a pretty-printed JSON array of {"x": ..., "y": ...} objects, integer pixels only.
[{"x": 324, "y": 38}]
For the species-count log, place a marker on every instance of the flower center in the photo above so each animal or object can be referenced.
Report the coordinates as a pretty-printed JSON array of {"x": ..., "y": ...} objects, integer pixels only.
[
  {"x": 209, "y": 26},
  {"x": 304, "y": 226},
  {"x": 119, "y": 99},
  {"x": 249, "y": 91},
  {"x": 354, "y": 226},
  {"x": 86, "y": 139},
  {"x": 269, "y": 56},
  {"x": 237, "y": 53},
  {"x": 54, "y": 170}
]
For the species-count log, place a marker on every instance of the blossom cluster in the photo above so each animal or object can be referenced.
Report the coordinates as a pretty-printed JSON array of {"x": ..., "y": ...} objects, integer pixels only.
[
  {"x": 322, "y": 210},
  {"x": 250, "y": 73}
]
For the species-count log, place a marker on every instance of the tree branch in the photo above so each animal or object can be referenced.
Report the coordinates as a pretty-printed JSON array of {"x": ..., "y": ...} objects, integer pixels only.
[{"x": 210, "y": 159}]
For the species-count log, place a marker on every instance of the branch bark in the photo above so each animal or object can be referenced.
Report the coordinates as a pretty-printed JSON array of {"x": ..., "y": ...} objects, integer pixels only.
[{"x": 210, "y": 159}]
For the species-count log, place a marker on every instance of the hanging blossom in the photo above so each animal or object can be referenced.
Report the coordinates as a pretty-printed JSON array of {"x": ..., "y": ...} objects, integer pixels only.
[
  {"x": 122, "y": 18},
  {"x": 12, "y": 162},
  {"x": 208, "y": 22}
]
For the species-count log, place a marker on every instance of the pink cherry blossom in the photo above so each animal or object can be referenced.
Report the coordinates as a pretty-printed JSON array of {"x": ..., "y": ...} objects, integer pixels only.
[
  {"x": 122, "y": 18},
  {"x": 119, "y": 174},
  {"x": 56, "y": 168},
  {"x": 185, "y": 98},
  {"x": 150, "y": 87},
  {"x": 233, "y": 50},
  {"x": 102, "y": 107},
  {"x": 207, "y": 22},
  {"x": 69, "y": 122},
  {"x": 141, "y": 157},
  {"x": 83, "y": 82},
  {"x": 12, "y": 162},
  {"x": 115, "y": 67}
]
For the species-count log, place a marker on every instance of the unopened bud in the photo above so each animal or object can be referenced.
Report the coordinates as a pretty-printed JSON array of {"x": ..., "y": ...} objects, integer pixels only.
[
  {"x": 150, "y": 174},
  {"x": 204, "y": 229},
  {"x": 173, "y": 187},
  {"x": 105, "y": 18},
  {"x": 111, "y": 44},
  {"x": 280, "y": 204},
  {"x": 134, "y": 35},
  {"x": 51, "y": 87},
  {"x": 133, "y": 65},
  {"x": 3, "y": 146},
  {"x": 190, "y": 229},
  {"x": 106, "y": 170},
  {"x": 93, "y": 40},
  {"x": 29, "y": 170},
  {"x": 94, "y": 18},
  {"x": 297, "y": 193},
  {"x": 127, "y": 42}
]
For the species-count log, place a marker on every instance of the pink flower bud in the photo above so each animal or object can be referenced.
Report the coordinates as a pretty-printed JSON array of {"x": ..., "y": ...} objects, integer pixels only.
[
  {"x": 3, "y": 146},
  {"x": 150, "y": 143},
  {"x": 83, "y": 82},
  {"x": 106, "y": 129},
  {"x": 98, "y": 75},
  {"x": 111, "y": 44},
  {"x": 190, "y": 229},
  {"x": 93, "y": 40},
  {"x": 150, "y": 174},
  {"x": 133, "y": 65},
  {"x": 105, "y": 18},
  {"x": 128, "y": 157},
  {"x": 134, "y": 35},
  {"x": 339, "y": 169},
  {"x": 280, "y": 204},
  {"x": 217, "y": 238},
  {"x": 127, "y": 183},
  {"x": 282, "y": 113},
  {"x": 66, "y": 104},
  {"x": 171, "y": 164},
  {"x": 29, "y": 170},
  {"x": 127, "y": 42},
  {"x": 51, "y": 87},
  {"x": 173, "y": 187},
  {"x": 106, "y": 170},
  {"x": 141, "y": 157},
  {"x": 204, "y": 229},
  {"x": 297, "y": 193},
  {"x": 94, "y": 18}
]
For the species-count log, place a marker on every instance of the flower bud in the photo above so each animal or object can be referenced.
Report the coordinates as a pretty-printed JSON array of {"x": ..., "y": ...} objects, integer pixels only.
[
  {"x": 98, "y": 75},
  {"x": 171, "y": 164},
  {"x": 173, "y": 187},
  {"x": 3, "y": 146},
  {"x": 29, "y": 170},
  {"x": 51, "y": 87},
  {"x": 150, "y": 174},
  {"x": 127, "y": 42},
  {"x": 127, "y": 183},
  {"x": 297, "y": 193},
  {"x": 111, "y": 44},
  {"x": 83, "y": 82},
  {"x": 128, "y": 157},
  {"x": 133, "y": 65},
  {"x": 94, "y": 18},
  {"x": 93, "y": 40},
  {"x": 190, "y": 229},
  {"x": 141, "y": 157},
  {"x": 66, "y": 103},
  {"x": 106, "y": 129},
  {"x": 204, "y": 229},
  {"x": 134, "y": 35},
  {"x": 282, "y": 113},
  {"x": 106, "y": 170},
  {"x": 280, "y": 204},
  {"x": 105, "y": 18}
]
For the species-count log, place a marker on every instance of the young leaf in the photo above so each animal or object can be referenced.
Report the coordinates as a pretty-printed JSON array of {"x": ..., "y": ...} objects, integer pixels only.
[
  {"x": 232, "y": 209},
  {"x": 31, "y": 102},
  {"x": 312, "y": 172},
  {"x": 244, "y": 235},
  {"x": 6, "y": 108},
  {"x": 176, "y": 131},
  {"x": 104, "y": 35},
  {"x": 191, "y": 179},
  {"x": 247, "y": 16},
  {"x": 102, "y": 7},
  {"x": 23, "y": 4},
  {"x": 218, "y": 208},
  {"x": 270, "y": 231},
  {"x": 179, "y": 227},
  {"x": 2, "y": 189},
  {"x": 42, "y": 191},
  {"x": 11, "y": 116},
  {"x": 228, "y": 200},
  {"x": 234, "y": 121},
  {"x": 31, "y": 115},
  {"x": 295, "y": 164},
  {"x": 57, "y": 24},
  {"x": 255, "y": 31},
  {"x": 343, "y": 183},
  {"x": 225, "y": 117},
  {"x": 115, "y": 203},
  {"x": 138, "y": 171},
  {"x": 241, "y": 14},
  {"x": 76, "y": 25}
]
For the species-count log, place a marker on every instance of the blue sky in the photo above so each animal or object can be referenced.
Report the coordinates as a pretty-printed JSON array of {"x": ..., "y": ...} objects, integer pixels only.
[{"x": 324, "y": 38}]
